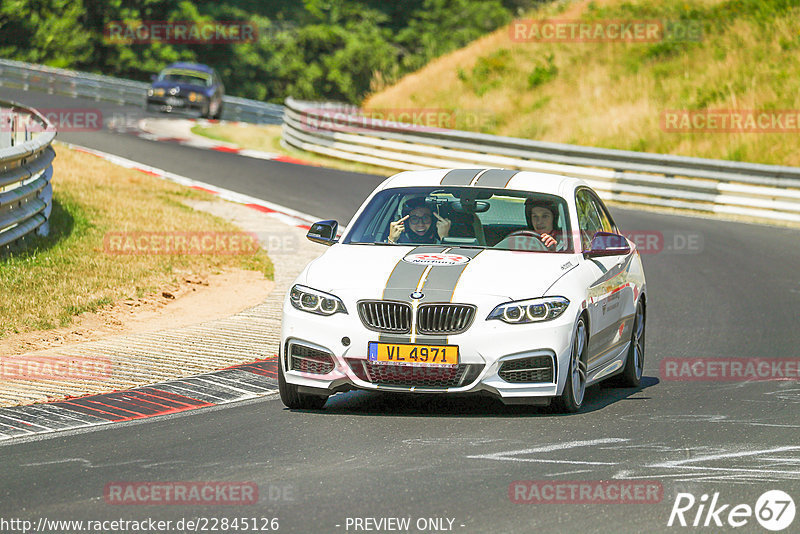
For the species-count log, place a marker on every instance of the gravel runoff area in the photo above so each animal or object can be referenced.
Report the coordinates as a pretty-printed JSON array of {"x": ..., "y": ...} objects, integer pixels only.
[{"x": 167, "y": 354}]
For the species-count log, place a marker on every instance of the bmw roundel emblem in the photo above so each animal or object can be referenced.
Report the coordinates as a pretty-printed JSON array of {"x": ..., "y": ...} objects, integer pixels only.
[{"x": 416, "y": 295}]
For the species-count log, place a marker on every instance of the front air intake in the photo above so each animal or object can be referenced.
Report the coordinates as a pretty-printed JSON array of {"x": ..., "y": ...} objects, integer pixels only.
[
  {"x": 535, "y": 369},
  {"x": 309, "y": 360}
]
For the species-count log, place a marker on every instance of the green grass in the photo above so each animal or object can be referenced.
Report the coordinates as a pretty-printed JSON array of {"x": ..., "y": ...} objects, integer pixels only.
[{"x": 49, "y": 280}]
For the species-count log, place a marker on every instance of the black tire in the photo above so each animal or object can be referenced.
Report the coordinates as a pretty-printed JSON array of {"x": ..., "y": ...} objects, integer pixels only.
[
  {"x": 571, "y": 399},
  {"x": 218, "y": 114},
  {"x": 295, "y": 400},
  {"x": 631, "y": 376},
  {"x": 205, "y": 112}
]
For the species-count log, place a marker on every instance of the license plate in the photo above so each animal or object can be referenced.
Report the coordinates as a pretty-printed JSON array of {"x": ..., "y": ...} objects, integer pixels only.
[
  {"x": 171, "y": 101},
  {"x": 421, "y": 355}
]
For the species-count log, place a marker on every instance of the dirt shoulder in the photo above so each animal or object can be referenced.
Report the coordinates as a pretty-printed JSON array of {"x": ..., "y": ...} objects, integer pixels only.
[{"x": 193, "y": 299}]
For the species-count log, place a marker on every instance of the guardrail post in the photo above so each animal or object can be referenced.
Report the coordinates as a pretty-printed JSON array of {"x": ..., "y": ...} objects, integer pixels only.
[
  {"x": 6, "y": 124},
  {"x": 46, "y": 195}
]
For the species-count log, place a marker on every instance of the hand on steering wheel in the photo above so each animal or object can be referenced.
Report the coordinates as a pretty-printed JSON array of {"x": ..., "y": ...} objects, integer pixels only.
[{"x": 542, "y": 241}]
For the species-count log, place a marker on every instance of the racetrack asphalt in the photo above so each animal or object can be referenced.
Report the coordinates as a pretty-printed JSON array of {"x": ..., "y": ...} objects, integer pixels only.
[{"x": 715, "y": 290}]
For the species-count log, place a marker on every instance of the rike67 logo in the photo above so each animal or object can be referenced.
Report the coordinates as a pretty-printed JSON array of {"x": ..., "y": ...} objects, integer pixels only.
[{"x": 774, "y": 510}]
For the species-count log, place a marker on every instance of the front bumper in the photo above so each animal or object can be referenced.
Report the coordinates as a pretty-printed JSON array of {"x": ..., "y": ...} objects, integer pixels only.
[
  {"x": 169, "y": 103},
  {"x": 483, "y": 350}
]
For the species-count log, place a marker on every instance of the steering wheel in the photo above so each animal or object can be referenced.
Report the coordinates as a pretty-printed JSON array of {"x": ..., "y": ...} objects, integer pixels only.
[{"x": 529, "y": 240}]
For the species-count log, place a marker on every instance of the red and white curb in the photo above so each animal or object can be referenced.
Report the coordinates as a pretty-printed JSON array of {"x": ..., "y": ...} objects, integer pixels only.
[
  {"x": 236, "y": 383},
  {"x": 282, "y": 213},
  {"x": 183, "y": 136}
]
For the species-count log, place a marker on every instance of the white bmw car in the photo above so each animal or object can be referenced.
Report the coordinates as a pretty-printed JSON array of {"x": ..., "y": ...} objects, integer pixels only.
[{"x": 506, "y": 283}]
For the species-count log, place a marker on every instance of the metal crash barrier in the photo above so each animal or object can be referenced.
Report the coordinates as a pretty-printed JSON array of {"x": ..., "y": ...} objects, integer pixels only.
[
  {"x": 702, "y": 185},
  {"x": 18, "y": 74},
  {"x": 26, "y": 157}
]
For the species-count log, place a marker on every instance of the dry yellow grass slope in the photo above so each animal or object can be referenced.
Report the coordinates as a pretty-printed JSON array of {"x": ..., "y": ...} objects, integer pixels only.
[{"x": 614, "y": 94}]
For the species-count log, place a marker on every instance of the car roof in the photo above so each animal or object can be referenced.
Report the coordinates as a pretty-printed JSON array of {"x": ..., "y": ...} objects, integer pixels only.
[
  {"x": 538, "y": 182},
  {"x": 190, "y": 66}
]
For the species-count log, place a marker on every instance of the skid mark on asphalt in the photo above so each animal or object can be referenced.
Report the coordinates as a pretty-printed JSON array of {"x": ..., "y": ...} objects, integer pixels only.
[
  {"x": 745, "y": 466},
  {"x": 240, "y": 382},
  {"x": 680, "y": 419},
  {"x": 611, "y": 459},
  {"x": 522, "y": 454}
]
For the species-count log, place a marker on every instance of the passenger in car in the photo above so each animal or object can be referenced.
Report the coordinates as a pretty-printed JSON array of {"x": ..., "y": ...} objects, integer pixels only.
[{"x": 416, "y": 226}]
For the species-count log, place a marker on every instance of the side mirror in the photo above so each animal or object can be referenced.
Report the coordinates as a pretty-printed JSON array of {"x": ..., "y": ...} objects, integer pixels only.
[
  {"x": 607, "y": 244},
  {"x": 323, "y": 232}
]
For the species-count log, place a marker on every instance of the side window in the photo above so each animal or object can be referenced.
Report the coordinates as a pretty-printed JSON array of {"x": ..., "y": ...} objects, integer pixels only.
[
  {"x": 589, "y": 221},
  {"x": 605, "y": 217}
]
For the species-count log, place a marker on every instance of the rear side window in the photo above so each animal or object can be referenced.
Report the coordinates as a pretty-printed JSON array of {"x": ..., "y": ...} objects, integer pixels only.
[{"x": 589, "y": 220}]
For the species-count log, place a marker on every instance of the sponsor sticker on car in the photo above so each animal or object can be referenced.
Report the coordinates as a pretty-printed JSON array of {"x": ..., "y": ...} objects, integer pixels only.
[{"x": 436, "y": 259}]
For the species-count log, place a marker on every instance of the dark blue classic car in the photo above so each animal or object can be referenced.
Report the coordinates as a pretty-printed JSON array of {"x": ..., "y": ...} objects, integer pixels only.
[{"x": 189, "y": 87}]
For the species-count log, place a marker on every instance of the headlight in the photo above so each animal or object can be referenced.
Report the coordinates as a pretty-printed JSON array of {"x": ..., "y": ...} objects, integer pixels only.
[
  {"x": 313, "y": 301},
  {"x": 149, "y": 92},
  {"x": 196, "y": 97},
  {"x": 159, "y": 92},
  {"x": 530, "y": 310}
]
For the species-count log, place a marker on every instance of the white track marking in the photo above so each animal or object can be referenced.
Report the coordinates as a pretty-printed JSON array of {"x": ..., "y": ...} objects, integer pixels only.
[
  {"x": 680, "y": 463},
  {"x": 512, "y": 456}
]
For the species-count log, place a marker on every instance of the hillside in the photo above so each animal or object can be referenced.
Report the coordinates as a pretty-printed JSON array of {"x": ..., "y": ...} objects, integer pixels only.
[{"x": 616, "y": 94}]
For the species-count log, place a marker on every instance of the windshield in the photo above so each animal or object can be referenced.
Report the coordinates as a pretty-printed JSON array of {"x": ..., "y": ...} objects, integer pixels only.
[
  {"x": 191, "y": 78},
  {"x": 465, "y": 216}
]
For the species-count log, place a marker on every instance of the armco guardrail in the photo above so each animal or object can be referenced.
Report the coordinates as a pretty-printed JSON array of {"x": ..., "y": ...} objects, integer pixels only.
[
  {"x": 704, "y": 185},
  {"x": 125, "y": 92},
  {"x": 26, "y": 157}
]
